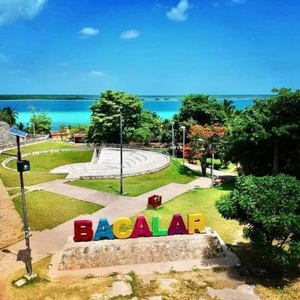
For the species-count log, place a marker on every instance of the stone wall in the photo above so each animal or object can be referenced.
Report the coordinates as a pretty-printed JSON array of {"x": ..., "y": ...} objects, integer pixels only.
[
  {"x": 106, "y": 253},
  {"x": 6, "y": 140}
]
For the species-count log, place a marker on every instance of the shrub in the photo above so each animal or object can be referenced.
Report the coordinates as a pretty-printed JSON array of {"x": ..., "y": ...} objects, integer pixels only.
[{"x": 269, "y": 206}]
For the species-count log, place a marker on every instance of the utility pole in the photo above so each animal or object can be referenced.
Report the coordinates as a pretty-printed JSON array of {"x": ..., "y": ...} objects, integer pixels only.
[
  {"x": 22, "y": 166},
  {"x": 121, "y": 152}
]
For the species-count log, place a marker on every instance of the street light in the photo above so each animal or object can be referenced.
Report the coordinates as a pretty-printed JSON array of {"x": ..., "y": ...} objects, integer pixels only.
[
  {"x": 212, "y": 163},
  {"x": 183, "y": 143},
  {"x": 202, "y": 149},
  {"x": 121, "y": 152},
  {"x": 173, "y": 143},
  {"x": 213, "y": 148},
  {"x": 22, "y": 166}
]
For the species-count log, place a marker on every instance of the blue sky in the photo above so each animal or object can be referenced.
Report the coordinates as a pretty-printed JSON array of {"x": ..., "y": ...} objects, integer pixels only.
[{"x": 149, "y": 47}]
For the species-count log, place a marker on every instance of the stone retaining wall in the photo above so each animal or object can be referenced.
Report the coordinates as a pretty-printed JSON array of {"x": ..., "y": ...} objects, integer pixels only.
[
  {"x": 7, "y": 140},
  {"x": 106, "y": 253}
]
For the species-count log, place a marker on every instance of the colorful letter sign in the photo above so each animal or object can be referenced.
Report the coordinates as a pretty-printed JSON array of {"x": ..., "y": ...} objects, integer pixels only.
[{"x": 124, "y": 229}]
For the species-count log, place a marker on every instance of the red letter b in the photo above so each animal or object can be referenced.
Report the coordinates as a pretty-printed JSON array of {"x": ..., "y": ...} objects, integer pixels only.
[{"x": 83, "y": 231}]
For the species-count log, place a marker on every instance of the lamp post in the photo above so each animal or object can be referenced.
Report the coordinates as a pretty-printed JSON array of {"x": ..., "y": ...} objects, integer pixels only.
[
  {"x": 173, "y": 143},
  {"x": 201, "y": 141},
  {"x": 183, "y": 143},
  {"x": 212, "y": 163},
  {"x": 24, "y": 165},
  {"x": 121, "y": 152},
  {"x": 213, "y": 149}
]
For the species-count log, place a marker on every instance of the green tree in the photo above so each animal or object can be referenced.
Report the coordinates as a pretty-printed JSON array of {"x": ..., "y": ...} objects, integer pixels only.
[
  {"x": 269, "y": 207},
  {"x": 229, "y": 110},
  {"x": 40, "y": 123},
  {"x": 79, "y": 128},
  {"x": 20, "y": 126},
  {"x": 285, "y": 126},
  {"x": 149, "y": 128},
  {"x": 203, "y": 109},
  {"x": 249, "y": 141},
  {"x": 203, "y": 141},
  {"x": 265, "y": 138},
  {"x": 8, "y": 115},
  {"x": 105, "y": 116},
  {"x": 62, "y": 130}
]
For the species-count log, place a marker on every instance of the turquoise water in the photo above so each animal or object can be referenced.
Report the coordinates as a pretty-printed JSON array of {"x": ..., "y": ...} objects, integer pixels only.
[{"x": 76, "y": 110}]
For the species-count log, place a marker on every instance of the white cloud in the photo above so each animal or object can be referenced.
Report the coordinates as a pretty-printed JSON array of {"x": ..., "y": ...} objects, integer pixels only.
[
  {"x": 97, "y": 73},
  {"x": 3, "y": 58},
  {"x": 178, "y": 13},
  {"x": 12, "y": 10},
  {"x": 89, "y": 31},
  {"x": 130, "y": 34}
]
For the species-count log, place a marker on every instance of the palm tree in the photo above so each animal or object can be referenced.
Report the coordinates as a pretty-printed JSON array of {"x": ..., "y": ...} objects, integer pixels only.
[
  {"x": 62, "y": 130},
  {"x": 229, "y": 108},
  {"x": 9, "y": 115},
  {"x": 20, "y": 126}
]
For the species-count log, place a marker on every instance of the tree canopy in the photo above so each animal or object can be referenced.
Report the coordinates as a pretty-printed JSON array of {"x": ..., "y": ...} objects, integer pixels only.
[
  {"x": 269, "y": 207},
  {"x": 40, "y": 123},
  {"x": 8, "y": 115},
  {"x": 138, "y": 125},
  {"x": 265, "y": 138},
  {"x": 204, "y": 140},
  {"x": 202, "y": 109}
]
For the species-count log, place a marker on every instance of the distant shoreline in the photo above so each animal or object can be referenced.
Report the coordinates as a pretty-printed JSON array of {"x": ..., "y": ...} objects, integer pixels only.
[
  {"x": 82, "y": 97},
  {"x": 75, "y": 109}
]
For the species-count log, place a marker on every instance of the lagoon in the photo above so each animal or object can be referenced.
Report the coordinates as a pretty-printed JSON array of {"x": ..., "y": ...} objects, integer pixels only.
[{"x": 75, "y": 109}]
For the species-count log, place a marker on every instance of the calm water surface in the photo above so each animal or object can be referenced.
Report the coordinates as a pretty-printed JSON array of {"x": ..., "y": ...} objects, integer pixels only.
[{"x": 74, "y": 112}]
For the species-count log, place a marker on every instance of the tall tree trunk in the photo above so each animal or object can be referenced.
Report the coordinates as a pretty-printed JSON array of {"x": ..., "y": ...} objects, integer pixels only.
[{"x": 276, "y": 158}]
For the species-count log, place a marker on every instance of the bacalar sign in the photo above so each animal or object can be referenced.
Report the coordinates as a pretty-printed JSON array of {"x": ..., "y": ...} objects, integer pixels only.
[{"x": 123, "y": 228}]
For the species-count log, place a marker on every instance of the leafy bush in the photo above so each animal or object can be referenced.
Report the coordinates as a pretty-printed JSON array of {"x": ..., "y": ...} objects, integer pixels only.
[{"x": 269, "y": 206}]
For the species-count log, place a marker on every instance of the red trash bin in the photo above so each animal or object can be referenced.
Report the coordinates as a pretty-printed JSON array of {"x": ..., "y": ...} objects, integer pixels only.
[{"x": 154, "y": 201}]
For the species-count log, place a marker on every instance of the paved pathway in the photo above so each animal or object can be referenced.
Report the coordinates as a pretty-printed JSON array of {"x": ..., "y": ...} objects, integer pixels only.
[{"x": 51, "y": 241}]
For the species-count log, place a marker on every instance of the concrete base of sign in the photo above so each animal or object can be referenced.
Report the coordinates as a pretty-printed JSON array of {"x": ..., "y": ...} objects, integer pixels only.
[{"x": 142, "y": 251}]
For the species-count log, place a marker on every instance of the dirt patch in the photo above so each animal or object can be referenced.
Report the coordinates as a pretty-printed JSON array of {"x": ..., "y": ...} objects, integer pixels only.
[{"x": 10, "y": 222}]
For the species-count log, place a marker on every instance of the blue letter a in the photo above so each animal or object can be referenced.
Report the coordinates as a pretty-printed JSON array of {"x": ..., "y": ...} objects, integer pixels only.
[{"x": 103, "y": 231}]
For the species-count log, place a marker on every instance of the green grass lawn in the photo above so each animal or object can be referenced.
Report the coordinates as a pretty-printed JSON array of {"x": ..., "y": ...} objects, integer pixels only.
[
  {"x": 43, "y": 206},
  {"x": 47, "y": 161},
  {"x": 137, "y": 185},
  {"x": 197, "y": 201},
  {"x": 41, "y": 164},
  {"x": 46, "y": 145},
  {"x": 46, "y": 210}
]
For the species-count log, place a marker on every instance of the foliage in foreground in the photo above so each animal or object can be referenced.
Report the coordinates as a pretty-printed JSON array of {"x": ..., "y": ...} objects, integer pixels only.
[{"x": 269, "y": 206}]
